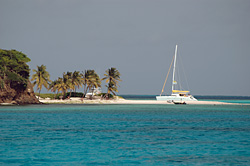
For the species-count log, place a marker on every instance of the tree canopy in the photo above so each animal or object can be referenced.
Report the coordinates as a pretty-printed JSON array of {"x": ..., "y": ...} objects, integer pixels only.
[
  {"x": 112, "y": 77},
  {"x": 41, "y": 78},
  {"x": 13, "y": 69}
]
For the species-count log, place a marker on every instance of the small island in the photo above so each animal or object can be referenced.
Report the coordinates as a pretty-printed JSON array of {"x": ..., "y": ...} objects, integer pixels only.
[{"x": 17, "y": 89}]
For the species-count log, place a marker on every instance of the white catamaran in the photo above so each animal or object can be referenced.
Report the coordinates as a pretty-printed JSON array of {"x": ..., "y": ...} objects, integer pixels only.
[{"x": 177, "y": 95}]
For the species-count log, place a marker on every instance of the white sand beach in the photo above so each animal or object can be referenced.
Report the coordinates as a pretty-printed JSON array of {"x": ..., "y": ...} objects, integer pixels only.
[{"x": 75, "y": 100}]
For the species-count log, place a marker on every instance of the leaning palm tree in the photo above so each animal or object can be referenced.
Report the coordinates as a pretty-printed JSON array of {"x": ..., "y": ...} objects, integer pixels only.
[
  {"x": 91, "y": 80},
  {"x": 63, "y": 84},
  {"x": 60, "y": 86},
  {"x": 68, "y": 81},
  {"x": 94, "y": 81},
  {"x": 41, "y": 78},
  {"x": 77, "y": 80},
  {"x": 85, "y": 80},
  {"x": 112, "y": 77},
  {"x": 54, "y": 87}
]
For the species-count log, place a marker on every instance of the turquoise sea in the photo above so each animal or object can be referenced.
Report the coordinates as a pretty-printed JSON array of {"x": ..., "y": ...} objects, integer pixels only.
[
  {"x": 125, "y": 135},
  {"x": 228, "y": 99}
]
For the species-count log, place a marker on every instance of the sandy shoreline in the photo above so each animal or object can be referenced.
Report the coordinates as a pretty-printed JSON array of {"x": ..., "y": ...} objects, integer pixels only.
[
  {"x": 123, "y": 101},
  {"x": 75, "y": 100}
]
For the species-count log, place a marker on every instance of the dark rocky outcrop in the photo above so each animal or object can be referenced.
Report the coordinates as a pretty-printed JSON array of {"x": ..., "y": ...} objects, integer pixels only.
[{"x": 16, "y": 95}]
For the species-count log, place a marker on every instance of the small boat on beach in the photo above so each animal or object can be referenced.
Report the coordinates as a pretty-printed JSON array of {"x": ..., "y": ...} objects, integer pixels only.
[
  {"x": 177, "y": 96},
  {"x": 179, "y": 102}
]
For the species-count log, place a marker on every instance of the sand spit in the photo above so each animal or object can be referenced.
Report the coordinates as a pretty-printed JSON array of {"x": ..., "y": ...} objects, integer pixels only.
[{"x": 74, "y": 100}]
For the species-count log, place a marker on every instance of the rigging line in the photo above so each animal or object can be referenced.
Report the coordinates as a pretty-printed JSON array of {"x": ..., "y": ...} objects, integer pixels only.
[
  {"x": 166, "y": 77},
  {"x": 180, "y": 74},
  {"x": 179, "y": 77},
  {"x": 184, "y": 74}
]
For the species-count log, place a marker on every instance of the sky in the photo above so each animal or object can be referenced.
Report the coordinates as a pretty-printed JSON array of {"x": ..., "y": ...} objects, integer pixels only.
[{"x": 137, "y": 37}]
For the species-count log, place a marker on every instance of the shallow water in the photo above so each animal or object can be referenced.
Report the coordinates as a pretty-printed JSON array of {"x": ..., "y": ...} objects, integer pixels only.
[{"x": 124, "y": 135}]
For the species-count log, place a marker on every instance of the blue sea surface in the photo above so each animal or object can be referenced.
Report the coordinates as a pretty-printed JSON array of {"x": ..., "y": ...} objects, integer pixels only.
[
  {"x": 125, "y": 135},
  {"x": 227, "y": 99}
]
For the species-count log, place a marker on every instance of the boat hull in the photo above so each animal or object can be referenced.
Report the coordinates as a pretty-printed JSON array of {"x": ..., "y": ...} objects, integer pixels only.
[{"x": 175, "y": 98}]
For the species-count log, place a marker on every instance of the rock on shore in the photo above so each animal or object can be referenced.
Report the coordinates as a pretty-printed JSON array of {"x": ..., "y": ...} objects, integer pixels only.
[{"x": 16, "y": 96}]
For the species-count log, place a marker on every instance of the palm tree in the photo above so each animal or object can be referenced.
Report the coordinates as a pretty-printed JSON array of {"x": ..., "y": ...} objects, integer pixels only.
[
  {"x": 112, "y": 77},
  {"x": 63, "y": 84},
  {"x": 94, "y": 81},
  {"x": 85, "y": 80},
  {"x": 41, "y": 78},
  {"x": 77, "y": 80},
  {"x": 60, "y": 86},
  {"x": 54, "y": 87},
  {"x": 68, "y": 81},
  {"x": 91, "y": 80},
  {"x": 73, "y": 80}
]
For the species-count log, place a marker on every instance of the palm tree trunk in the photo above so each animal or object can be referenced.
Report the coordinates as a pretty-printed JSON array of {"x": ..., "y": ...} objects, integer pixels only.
[
  {"x": 92, "y": 92},
  {"x": 85, "y": 91},
  {"x": 57, "y": 93},
  {"x": 63, "y": 94},
  {"x": 39, "y": 94}
]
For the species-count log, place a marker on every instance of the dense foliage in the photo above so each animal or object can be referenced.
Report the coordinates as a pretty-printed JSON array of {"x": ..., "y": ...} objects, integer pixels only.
[
  {"x": 70, "y": 81},
  {"x": 13, "y": 69},
  {"x": 74, "y": 94},
  {"x": 91, "y": 80}
]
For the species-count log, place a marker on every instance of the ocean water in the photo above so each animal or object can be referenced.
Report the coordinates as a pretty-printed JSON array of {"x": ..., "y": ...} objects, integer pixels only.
[
  {"x": 228, "y": 99},
  {"x": 124, "y": 135}
]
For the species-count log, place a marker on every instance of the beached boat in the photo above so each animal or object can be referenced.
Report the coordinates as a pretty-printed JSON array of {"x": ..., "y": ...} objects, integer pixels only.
[
  {"x": 177, "y": 95},
  {"x": 180, "y": 102}
]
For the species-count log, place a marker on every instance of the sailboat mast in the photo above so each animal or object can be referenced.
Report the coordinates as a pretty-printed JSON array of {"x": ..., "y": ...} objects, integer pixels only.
[{"x": 173, "y": 82}]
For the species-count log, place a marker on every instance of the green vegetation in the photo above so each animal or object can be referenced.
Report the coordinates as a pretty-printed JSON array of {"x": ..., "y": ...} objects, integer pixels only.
[
  {"x": 70, "y": 81},
  {"x": 41, "y": 78},
  {"x": 112, "y": 77},
  {"x": 14, "y": 73},
  {"x": 15, "y": 86},
  {"x": 110, "y": 96},
  {"x": 13, "y": 69},
  {"x": 74, "y": 94},
  {"x": 75, "y": 81},
  {"x": 90, "y": 80}
]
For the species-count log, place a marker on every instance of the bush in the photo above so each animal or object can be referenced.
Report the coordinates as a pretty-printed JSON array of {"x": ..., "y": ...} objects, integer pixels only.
[
  {"x": 74, "y": 94},
  {"x": 103, "y": 94}
]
